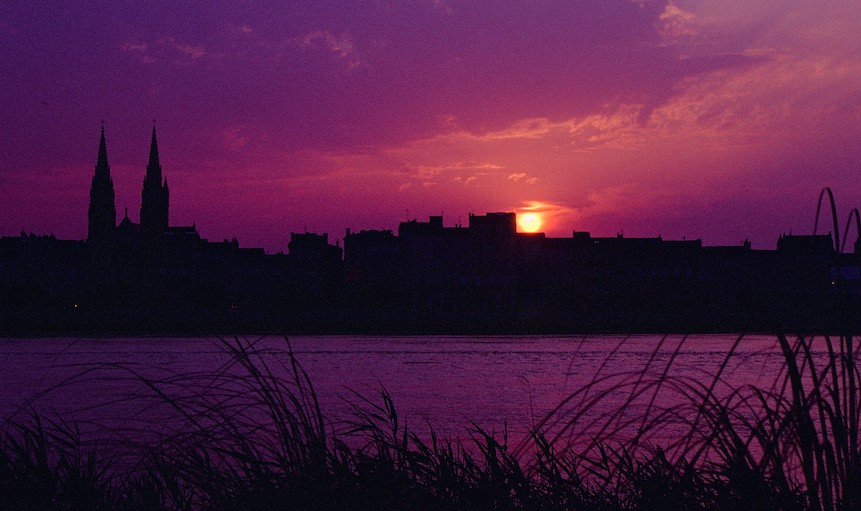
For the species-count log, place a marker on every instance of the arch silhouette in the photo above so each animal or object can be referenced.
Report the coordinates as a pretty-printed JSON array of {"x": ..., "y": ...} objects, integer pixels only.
[
  {"x": 852, "y": 213},
  {"x": 836, "y": 230}
]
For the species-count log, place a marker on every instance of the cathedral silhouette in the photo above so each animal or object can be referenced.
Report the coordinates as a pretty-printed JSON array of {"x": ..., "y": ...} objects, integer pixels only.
[{"x": 155, "y": 203}]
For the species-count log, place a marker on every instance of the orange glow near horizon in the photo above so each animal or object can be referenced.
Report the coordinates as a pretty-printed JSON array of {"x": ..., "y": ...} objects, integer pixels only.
[{"x": 529, "y": 222}]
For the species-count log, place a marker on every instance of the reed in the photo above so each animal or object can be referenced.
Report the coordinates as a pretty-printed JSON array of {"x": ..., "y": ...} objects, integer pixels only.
[
  {"x": 252, "y": 435},
  {"x": 792, "y": 444}
]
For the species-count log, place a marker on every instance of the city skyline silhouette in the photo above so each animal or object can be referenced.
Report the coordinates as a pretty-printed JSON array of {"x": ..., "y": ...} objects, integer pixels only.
[
  {"x": 651, "y": 118},
  {"x": 155, "y": 206},
  {"x": 480, "y": 276}
]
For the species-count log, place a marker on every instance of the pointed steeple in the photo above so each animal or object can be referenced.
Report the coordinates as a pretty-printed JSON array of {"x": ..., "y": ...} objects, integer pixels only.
[
  {"x": 153, "y": 167},
  {"x": 102, "y": 166},
  {"x": 102, "y": 215},
  {"x": 155, "y": 196}
]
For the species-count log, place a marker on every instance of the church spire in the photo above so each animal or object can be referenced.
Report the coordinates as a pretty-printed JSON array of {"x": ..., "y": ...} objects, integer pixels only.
[
  {"x": 154, "y": 199},
  {"x": 102, "y": 214},
  {"x": 102, "y": 160},
  {"x": 153, "y": 169}
]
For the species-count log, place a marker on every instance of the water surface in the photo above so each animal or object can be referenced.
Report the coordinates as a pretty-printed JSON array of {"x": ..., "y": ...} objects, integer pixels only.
[{"x": 449, "y": 383}]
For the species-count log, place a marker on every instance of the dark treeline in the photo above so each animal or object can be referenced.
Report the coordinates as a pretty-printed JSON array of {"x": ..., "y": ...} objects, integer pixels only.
[{"x": 482, "y": 278}]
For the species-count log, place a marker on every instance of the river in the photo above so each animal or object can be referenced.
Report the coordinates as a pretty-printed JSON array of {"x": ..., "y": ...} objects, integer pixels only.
[{"x": 448, "y": 383}]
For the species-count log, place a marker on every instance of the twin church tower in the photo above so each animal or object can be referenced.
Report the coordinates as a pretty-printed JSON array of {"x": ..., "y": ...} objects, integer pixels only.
[{"x": 154, "y": 200}]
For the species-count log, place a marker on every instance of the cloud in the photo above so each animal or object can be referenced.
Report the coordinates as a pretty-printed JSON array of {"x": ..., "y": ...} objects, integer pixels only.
[
  {"x": 164, "y": 48},
  {"x": 134, "y": 47},
  {"x": 340, "y": 45},
  {"x": 139, "y": 51},
  {"x": 525, "y": 128},
  {"x": 195, "y": 52},
  {"x": 242, "y": 29},
  {"x": 522, "y": 176},
  {"x": 239, "y": 137},
  {"x": 618, "y": 128},
  {"x": 425, "y": 172},
  {"x": 469, "y": 180},
  {"x": 188, "y": 50},
  {"x": 722, "y": 108},
  {"x": 675, "y": 24},
  {"x": 784, "y": 97},
  {"x": 448, "y": 68}
]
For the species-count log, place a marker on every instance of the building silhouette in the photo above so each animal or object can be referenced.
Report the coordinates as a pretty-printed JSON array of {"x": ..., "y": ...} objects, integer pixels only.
[
  {"x": 102, "y": 214},
  {"x": 154, "y": 198},
  {"x": 485, "y": 277}
]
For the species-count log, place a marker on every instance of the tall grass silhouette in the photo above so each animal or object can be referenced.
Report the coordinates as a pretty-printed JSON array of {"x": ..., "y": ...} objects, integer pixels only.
[{"x": 252, "y": 435}]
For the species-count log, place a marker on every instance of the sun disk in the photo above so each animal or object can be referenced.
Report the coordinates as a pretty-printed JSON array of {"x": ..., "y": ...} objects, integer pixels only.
[{"x": 529, "y": 222}]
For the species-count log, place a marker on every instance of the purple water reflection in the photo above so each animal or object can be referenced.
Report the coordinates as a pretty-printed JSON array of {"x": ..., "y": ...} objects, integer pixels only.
[{"x": 448, "y": 382}]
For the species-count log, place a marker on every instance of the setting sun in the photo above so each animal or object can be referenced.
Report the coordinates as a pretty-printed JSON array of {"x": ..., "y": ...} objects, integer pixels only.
[{"x": 529, "y": 222}]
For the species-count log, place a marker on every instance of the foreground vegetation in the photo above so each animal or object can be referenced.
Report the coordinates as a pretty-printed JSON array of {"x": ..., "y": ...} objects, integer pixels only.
[{"x": 252, "y": 436}]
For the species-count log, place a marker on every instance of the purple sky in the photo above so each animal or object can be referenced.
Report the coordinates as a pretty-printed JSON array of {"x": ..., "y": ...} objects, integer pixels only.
[{"x": 719, "y": 120}]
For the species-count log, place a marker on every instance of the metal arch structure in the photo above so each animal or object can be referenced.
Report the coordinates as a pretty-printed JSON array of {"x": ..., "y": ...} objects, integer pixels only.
[
  {"x": 852, "y": 213},
  {"x": 836, "y": 230}
]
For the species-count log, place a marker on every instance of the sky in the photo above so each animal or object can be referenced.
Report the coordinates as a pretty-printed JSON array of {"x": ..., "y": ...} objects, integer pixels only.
[{"x": 718, "y": 120}]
